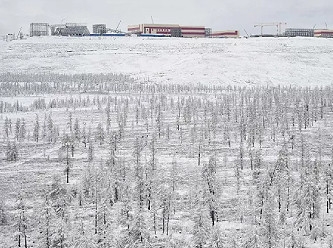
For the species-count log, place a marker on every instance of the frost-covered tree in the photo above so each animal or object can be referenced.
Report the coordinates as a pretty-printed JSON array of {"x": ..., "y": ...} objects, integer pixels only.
[
  {"x": 100, "y": 134},
  {"x": 77, "y": 132},
  {"x": 252, "y": 238},
  {"x": 212, "y": 196},
  {"x": 90, "y": 152},
  {"x": 3, "y": 215},
  {"x": 269, "y": 230},
  {"x": 23, "y": 131},
  {"x": 59, "y": 200},
  {"x": 17, "y": 129},
  {"x": 70, "y": 122},
  {"x": 36, "y": 129},
  {"x": 44, "y": 220},
  {"x": 12, "y": 153},
  {"x": 328, "y": 177},
  {"x": 84, "y": 136},
  {"x": 307, "y": 200},
  {"x": 108, "y": 117},
  {"x": 21, "y": 223},
  {"x": 281, "y": 182},
  {"x": 217, "y": 239},
  {"x": 200, "y": 230},
  {"x": 6, "y": 129},
  {"x": 66, "y": 146},
  {"x": 51, "y": 130},
  {"x": 44, "y": 130}
]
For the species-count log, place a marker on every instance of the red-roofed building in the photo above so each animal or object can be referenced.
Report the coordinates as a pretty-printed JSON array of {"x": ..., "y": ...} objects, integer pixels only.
[
  {"x": 325, "y": 33},
  {"x": 173, "y": 30},
  {"x": 225, "y": 34}
]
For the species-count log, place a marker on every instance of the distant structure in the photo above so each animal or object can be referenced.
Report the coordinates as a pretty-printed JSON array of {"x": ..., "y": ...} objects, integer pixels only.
[
  {"x": 193, "y": 31},
  {"x": 9, "y": 37},
  {"x": 99, "y": 28},
  {"x": 103, "y": 30},
  {"x": 208, "y": 32},
  {"x": 70, "y": 29},
  {"x": 225, "y": 34},
  {"x": 75, "y": 31},
  {"x": 278, "y": 26},
  {"x": 176, "y": 32},
  {"x": 155, "y": 29},
  {"x": 294, "y": 32},
  {"x": 39, "y": 29},
  {"x": 55, "y": 28},
  {"x": 323, "y": 33},
  {"x": 172, "y": 30}
]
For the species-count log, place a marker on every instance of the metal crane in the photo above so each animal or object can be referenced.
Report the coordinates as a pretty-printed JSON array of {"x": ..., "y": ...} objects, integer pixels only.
[
  {"x": 114, "y": 30},
  {"x": 262, "y": 25},
  {"x": 118, "y": 26},
  {"x": 276, "y": 24}
]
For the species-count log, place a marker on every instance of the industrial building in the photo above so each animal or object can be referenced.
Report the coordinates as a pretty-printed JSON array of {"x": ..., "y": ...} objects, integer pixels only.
[
  {"x": 70, "y": 29},
  {"x": 103, "y": 30},
  {"x": 99, "y": 28},
  {"x": 173, "y": 30},
  {"x": 208, "y": 32},
  {"x": 225, "y": 34},
  {"x": 277, "y": 25},
  {"x": 166, "y": 30},
  {"x": 39, "y": 29},
  {"x": 176, "y": 30},
  {"x": 134, "y": 29},
  {"x": 9, "y": 37},
  {"x": 75, "y": 31},
  {"x": 324, "y": 33},
  {"x": 193, "y": 31},
  {"x": 55, "y": 28},
  {"x": 293, "y": 32},
  {"x": 155, "y": 29}
]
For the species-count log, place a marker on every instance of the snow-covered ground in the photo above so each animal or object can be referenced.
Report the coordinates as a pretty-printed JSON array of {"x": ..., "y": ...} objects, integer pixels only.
[
  {"x": 241, "y": 154},
  {"x": 264, "y": 61}
]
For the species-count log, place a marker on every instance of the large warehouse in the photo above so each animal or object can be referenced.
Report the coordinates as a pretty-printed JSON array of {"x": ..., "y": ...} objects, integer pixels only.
[
  {"x": 154, "y": 29},
  {"x": 39, "y": 29},
  {"x": 225, "y": 34},
  {"x": 99, "y": 28},
  {"x": 324, "y": 33},
  {"x": 193, "y": 31},
  {"x": 176, "y": 30},
  {"x": 173, "y": 30},
  {"x": 305, "y": 32},
  {"x": 70, "y": 29}
]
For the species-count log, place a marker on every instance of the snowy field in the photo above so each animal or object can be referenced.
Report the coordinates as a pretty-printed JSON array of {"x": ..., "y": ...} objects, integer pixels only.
[
  {"x": 264, "y": 61},
  {"x": 166, "y": 148}
]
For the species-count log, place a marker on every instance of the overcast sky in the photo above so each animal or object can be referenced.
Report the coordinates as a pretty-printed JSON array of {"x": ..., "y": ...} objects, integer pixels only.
[{"x": 217, "y": 14}]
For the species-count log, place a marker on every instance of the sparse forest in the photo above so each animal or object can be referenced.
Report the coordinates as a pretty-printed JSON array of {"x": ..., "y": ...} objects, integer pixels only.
[{"x": 101, "y": 160}]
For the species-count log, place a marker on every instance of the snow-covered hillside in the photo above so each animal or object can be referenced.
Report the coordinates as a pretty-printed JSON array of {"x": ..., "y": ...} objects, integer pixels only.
[
  {"x": 296, "y": 61},
  {"x": 132, "y": 142}
]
